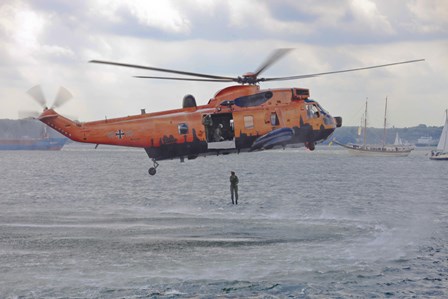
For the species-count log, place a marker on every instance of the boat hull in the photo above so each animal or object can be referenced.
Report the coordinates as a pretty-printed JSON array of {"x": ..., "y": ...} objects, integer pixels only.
[
  {"x": 376, "y": 150},
  {"x": 46, "y": 144},
  {"x": 439, "y": 157}
]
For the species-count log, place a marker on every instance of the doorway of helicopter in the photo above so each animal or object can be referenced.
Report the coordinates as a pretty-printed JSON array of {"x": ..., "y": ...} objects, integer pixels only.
[{"x": 219, "y": 129}]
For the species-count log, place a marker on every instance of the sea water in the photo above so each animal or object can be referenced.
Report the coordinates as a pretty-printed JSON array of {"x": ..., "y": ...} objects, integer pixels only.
[{"x": 85, "y": 223}]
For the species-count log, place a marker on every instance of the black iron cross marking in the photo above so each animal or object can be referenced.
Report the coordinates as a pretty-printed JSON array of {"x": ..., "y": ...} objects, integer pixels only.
[{"x": 119, "y": 134}]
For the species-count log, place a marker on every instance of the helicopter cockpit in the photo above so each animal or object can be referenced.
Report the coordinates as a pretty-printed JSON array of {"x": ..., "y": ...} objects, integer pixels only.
[{"x": 313, "y": 110}]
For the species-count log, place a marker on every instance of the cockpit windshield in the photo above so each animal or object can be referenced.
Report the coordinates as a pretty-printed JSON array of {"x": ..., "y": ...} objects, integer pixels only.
[
  {"x": 312, "y": 110},
  {"x": 321, "y": 109}
]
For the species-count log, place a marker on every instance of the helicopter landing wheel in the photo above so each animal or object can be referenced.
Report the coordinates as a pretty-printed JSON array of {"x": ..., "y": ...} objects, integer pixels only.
[
  {"x": 152, "y": 170},
  {"x": 310, "y": 145}
]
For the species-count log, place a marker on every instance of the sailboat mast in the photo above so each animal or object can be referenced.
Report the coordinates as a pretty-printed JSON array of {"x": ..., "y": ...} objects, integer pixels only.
[
  {"x": 365, "y": 125},
  {"x": 385, "y": 123},
  {"x": 445, "y": 127}
]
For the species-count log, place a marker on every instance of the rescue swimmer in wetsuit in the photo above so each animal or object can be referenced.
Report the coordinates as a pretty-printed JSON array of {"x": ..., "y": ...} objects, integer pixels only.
[{"x": 234, "y": 187}]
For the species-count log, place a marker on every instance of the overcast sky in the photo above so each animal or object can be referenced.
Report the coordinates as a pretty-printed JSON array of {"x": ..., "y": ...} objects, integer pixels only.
[{"x": 50, "y": 43}]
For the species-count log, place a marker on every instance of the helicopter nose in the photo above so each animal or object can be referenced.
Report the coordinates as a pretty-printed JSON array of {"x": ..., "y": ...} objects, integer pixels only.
[{"x": 338, "y": 120}]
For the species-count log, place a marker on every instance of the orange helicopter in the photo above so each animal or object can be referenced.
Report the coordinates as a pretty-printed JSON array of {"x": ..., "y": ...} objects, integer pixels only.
[{"x": 239, "y": 118}]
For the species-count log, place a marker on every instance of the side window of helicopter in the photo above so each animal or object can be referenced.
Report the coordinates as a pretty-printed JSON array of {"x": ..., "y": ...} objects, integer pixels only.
[
  {"x": 312, "y": 111},
  {"x": 248, "y": 121},
  {"x": 309, "y": 111},
  {"x": 274, "y": 119},
  {"x": 182, "y": 128}
]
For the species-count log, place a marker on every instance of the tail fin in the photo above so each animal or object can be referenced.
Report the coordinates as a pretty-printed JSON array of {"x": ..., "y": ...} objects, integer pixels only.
[{"x": 63, "y": 125}]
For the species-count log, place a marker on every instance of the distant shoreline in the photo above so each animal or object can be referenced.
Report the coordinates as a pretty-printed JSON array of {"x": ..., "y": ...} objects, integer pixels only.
[{"x": 32, "y": 128}]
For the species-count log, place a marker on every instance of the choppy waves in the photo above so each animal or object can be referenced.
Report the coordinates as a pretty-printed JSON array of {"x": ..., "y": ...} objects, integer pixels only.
[{"x": 93, "y": 224}]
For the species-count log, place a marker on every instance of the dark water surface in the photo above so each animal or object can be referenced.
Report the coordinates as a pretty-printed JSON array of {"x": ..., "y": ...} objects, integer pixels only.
[{"x": 83, "y": 223}]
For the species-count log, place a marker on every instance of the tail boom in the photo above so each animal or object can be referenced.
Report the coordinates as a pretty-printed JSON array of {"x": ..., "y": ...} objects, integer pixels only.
[
  {"x": 63, "y": 125},
  {"x": 99, "y": 132}
]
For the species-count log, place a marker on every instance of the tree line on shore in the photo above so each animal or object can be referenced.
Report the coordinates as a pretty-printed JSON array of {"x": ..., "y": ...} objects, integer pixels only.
[{"x": 375, "y": 135}]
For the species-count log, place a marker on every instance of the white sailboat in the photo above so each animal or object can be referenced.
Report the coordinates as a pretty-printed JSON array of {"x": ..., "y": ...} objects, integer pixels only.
[
  {"x": 398, "y": 140},
  {"x": 442, "y": 147},
  {"x": 398, "y": 149}
]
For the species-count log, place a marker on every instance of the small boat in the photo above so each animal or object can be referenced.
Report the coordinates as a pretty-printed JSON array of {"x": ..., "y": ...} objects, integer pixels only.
[
  {"x": 441, "y": 153},
  {"x": 398, "y": 149}
]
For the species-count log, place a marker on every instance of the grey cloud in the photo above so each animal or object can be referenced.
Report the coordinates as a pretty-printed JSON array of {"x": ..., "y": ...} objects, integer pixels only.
[
  {"x": 213, "y": 24},
  {"x": 215, "y": 45}
]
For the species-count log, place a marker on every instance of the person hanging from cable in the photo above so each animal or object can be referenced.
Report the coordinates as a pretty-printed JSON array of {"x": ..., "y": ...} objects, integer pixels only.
[{"x": 234, "y": 187}]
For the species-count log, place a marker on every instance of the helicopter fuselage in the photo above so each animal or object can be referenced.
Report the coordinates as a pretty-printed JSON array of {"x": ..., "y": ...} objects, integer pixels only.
[{"x": 239, "y": 118}]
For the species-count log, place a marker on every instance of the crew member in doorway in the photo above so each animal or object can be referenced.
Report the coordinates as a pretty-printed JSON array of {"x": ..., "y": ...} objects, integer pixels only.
[
  {"x": 234, "y": 187},
  {"x": 218, "y": 133},
  {"x": 208, "y": 123}
]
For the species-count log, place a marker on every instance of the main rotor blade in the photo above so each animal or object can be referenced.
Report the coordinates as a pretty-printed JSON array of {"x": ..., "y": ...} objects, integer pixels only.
[
  {"x": 276, "y": 55},
  {"x": 188, "y": 79},
  {"x": 62, "y": 97},
  {"x": 160, "y": 69},
  {"x": 37, "y": 94},
  {"x": 336, "y": 72}
]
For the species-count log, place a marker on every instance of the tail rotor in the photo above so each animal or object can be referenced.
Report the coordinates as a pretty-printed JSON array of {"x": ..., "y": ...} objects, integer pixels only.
[
  {"x": 62, "y": 97},
  {"x": 38, "y": 96}
]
